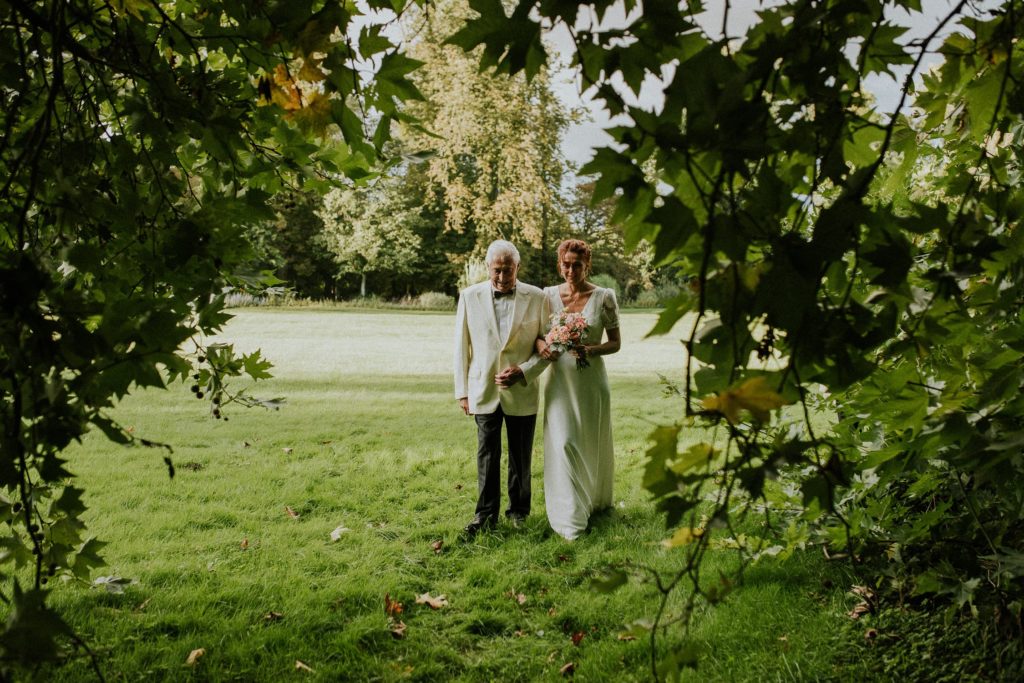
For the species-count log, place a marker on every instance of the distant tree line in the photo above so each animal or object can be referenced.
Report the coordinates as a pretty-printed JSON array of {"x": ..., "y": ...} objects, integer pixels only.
[{"x": 482, "y": 161}]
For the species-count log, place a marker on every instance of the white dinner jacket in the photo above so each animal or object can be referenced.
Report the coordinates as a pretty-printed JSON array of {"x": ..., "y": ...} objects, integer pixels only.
[{"x": 480, "y": 354}]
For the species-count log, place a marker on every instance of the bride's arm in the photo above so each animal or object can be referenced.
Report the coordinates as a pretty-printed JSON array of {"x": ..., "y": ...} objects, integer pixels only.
[{"x": 613, "y": 344}]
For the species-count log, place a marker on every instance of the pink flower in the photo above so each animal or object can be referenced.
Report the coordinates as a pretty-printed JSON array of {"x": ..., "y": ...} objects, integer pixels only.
[{"x": 568, "y": 333}]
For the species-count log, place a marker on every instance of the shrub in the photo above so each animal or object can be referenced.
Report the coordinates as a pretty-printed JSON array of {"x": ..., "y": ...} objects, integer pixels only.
[
  {"x": 435, "y": 301},
  {"x": 472, "y": 273},
  {"x": 607, "y": 281}
]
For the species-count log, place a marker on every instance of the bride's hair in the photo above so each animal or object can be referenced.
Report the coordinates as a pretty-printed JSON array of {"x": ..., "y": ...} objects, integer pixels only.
[{"x": 578, "y": 247}]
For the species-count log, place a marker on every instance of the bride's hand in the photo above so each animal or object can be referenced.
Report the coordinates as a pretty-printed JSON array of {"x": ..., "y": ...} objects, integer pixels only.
[{"x": 546, "y": 352}]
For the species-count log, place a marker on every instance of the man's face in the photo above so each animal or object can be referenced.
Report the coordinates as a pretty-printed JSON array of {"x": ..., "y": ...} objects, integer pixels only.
[{"x": 502, "y": 271}]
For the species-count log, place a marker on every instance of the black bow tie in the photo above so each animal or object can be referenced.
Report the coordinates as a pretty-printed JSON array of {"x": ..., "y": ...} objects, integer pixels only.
[{"x": 499, "y": 295}]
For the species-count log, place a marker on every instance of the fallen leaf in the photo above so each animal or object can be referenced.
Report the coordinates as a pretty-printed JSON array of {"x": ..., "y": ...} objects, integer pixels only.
[
  {"x": 273, "y": 616},
  {"x": 458, "y": 487},
  {"x": 129, "y": 429},
  {"x": 568, "y": 670},
  {"x": 113, "y": 584},
  {"x": 291, "y": 513},
  {"x": 577, "y": 637},
  {"x": 143, "y": 605},
  {"x": 434, "y": 602},
  {"x": 398, "y": 629},
  {"x": 286, "y": 450},
  {"x": 392, "y": 608},
  {"x": 563, "y": 558},
  {"x": 245, "y": 544},
  {"x": 246, "y": 444},
  {"x": 438, "y": 546},
  {"x": 518, "y": 597},
  {"x": 324, "y": 443},
  {"x": 336, "y": 534},
  {"x": 551, "y": 612},
  {"x": 194, "y": 656},
  {"x": 784, "y": 638},
  {"x": 870, "y": 634},
  {"x": 519, "y": 634},
  {"x": 859, "y": 610},
  {"x": 302, "y": 666},
  {"x": 626, "y": 636},
  {"x": 863, "y": 591}
]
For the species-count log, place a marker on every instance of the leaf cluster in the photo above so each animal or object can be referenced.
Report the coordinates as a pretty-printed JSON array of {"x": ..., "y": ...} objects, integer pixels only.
[
  {"x": 139, "y": 138},
  {"x": 861, "y": 263}
]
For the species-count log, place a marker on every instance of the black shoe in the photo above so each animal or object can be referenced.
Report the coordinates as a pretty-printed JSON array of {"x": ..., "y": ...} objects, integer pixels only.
[
  {"x": 516, "y": 520},
  {"x": 479, "y": 524}
]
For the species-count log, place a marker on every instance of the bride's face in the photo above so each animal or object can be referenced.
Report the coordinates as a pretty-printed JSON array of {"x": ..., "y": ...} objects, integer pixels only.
[{"x": 572, "y": 268}]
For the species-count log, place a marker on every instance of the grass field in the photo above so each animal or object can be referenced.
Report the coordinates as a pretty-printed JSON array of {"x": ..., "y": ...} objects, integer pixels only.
[{"x": 372, "y": 442}]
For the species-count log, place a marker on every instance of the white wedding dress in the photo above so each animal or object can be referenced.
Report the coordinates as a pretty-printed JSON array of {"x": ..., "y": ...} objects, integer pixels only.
[{"x": 578, "y": 452}]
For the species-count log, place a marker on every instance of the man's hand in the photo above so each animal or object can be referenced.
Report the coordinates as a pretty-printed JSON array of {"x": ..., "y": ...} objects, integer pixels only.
[
  {"x": 509, "y": 376},
  {"x": 464, "y": 404}
]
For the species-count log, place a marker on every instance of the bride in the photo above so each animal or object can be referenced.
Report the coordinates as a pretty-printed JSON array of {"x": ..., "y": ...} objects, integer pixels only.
[{"x": 578, "y": 452}]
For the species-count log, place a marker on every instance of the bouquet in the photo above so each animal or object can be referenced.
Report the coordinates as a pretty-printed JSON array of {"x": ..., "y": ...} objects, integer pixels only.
[{"x": 568, "y": 332}]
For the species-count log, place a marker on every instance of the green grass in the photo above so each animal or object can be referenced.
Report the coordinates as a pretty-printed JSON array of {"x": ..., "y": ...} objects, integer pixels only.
[{"x": 371, "y": 439}]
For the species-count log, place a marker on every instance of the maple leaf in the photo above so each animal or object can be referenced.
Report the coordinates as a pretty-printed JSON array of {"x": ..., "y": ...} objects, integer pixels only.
[
  {"x": 683, "y": 536},
  {"x": 398, "y": 629},
  {"x": 577, "y": 637},
  {"x": 392, "y": 608},
  {"x": 753, "y": 396},
  {"x": 434, "y": 602},
  {"x": 291, "y": 513},
  {"x": 194, "y": 656}
]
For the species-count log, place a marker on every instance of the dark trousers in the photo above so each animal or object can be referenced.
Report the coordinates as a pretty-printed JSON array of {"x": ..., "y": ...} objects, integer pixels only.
[{"x": 519, "y": 430}]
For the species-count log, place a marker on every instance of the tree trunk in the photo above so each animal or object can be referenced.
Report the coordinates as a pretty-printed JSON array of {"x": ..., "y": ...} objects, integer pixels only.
[{"x": 362, "y": 286}]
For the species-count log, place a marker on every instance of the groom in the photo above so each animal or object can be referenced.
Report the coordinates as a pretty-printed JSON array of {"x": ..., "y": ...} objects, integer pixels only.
[{"x": 496, "y": 373}]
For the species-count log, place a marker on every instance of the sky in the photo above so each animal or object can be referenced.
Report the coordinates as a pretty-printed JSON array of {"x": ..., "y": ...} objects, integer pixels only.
[{"x": 582, "y": 138}]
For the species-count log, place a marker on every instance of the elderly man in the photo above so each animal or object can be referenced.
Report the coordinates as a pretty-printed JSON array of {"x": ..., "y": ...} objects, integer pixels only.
[{"x": 496, "y": 373}]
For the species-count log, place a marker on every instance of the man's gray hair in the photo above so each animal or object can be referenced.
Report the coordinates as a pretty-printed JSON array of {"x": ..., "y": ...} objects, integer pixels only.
[{"x": 501, "y": 249}]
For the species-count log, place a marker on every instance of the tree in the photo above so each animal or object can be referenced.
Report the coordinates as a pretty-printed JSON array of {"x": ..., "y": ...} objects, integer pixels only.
[
  {"x": 820, "y": 265},
  {"x": 139, "y": 137},
  {"x": 497, "y": 166},
  {"x": 370, "y": 231},
  {"x": 593, "y": 221},
  {"x": 291, "y": 245}
]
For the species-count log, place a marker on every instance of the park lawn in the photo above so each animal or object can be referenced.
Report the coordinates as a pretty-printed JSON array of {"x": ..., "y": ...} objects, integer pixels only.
[{"x": 235, "y": 555}]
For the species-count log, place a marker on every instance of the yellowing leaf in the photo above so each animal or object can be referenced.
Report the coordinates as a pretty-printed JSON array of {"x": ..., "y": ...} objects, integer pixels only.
[
  {"x": 194, "y": 656},
  {"x": 434, "y": 603},
  {"x": 753, "y": 395},
  {"x": 683, "y": 536}
]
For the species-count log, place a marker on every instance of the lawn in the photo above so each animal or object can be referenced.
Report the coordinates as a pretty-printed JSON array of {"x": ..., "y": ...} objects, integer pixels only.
[{"x": 235, "y": 555}]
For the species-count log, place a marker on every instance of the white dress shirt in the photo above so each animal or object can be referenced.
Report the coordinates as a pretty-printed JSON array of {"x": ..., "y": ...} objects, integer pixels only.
[{"x": 504, "y": 307}]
